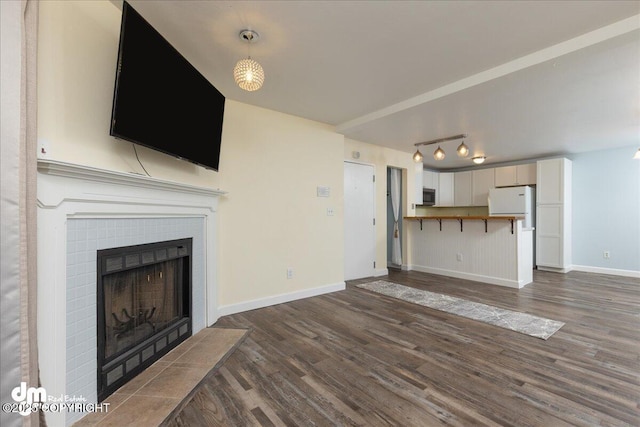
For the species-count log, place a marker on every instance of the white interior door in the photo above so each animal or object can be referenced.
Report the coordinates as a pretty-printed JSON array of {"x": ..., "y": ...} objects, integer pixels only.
[{"x": 359, "y": 221}]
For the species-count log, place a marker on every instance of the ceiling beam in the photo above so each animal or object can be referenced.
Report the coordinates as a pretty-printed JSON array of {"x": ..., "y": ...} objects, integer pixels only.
[{"x": 591, "y": 38}]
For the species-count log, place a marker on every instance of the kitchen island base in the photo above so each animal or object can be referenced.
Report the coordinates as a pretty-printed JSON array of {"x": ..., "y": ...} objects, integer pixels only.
[{"x": 494, "y": 250}]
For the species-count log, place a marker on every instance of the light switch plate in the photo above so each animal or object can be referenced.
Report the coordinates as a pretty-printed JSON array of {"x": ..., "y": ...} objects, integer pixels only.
[{"x": 323, "y": 191}]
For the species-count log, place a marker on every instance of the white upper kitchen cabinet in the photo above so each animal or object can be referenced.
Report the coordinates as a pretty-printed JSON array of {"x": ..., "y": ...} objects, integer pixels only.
[
  {"x": 430, "y": 179},
  {"x": 445, "y": 189},
  {"x": 554, "y": 178},
  {"x": 462, "y": 188},
  {"x": 418, "y": 177},
  {"x": 509, "y": 176},
  {"x": 482, "y": 181}
]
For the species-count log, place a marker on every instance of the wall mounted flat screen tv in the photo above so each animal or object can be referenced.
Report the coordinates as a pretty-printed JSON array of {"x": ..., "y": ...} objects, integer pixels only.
[{"x": 160, "y": 100}]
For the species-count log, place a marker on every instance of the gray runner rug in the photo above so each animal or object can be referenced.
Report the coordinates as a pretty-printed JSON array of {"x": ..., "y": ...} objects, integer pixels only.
[{"x": 524, "y": 323}]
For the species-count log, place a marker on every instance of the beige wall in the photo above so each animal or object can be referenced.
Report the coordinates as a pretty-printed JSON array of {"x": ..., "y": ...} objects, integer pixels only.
[
  {"x": 381, "y": 158},
  {"x": 77, "y": 53},
  {"x": 271, "y": 163},
  {"x": 272, "y": 219}
]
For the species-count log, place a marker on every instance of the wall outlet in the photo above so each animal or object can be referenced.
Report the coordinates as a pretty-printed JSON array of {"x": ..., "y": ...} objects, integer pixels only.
[
  {"x": 606, "y": 255},
  {"x": 289, "y": 273},
  {"x": 330, "y": 212},
  {"x": 459, "y": 257}
]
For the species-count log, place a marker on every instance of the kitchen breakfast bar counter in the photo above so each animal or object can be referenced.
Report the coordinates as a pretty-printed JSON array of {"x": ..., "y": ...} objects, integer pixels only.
[{"x": 490, "y": 249}]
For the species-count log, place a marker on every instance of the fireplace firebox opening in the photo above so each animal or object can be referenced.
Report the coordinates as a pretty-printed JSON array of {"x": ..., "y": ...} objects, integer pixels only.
[{"x": 144, "y": 308}]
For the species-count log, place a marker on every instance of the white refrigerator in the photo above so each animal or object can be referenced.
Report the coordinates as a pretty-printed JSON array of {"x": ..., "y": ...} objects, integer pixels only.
[{"x": 513, "y": 201}]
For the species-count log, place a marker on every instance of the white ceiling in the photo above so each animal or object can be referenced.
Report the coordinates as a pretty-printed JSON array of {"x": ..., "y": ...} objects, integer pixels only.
[{"x": 522, "y": 78}]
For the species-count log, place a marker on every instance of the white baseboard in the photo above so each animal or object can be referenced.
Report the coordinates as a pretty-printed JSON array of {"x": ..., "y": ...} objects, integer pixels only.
[
  {"x": 279, "y": 299},
  {"x": 555, "y": 269},
  {"x": 469, "y": 276},
  {"x": 611, "y": 271},
  {"x": 381, "y": 272}
]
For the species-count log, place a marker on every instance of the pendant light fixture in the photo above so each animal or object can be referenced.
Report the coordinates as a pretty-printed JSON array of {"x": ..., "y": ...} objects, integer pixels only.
[
  {"x": 463, "y": 150},
  {"x": 439, "y": 154},
  {"x": 635, "y": 156},
  {"x": 248, "y": 73},
  {"x": 417, "y": 157}
]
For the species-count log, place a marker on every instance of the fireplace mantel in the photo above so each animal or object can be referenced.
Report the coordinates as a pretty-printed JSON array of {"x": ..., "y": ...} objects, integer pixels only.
[
  {"x": 69, "y": 195},
  {"x": 80, "y": 172}
]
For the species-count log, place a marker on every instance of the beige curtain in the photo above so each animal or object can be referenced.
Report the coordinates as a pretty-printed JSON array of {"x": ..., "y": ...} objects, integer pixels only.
[
  {"x": 19, "y": 354},
  {"x": 28, "y": 197}
]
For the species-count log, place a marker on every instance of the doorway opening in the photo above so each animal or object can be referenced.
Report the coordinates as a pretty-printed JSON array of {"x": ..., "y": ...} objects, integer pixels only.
[{"x": 394, "y": 218}]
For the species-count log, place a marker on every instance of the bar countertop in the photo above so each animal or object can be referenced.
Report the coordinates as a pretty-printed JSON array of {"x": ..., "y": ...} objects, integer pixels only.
[{"x": 489, "y": 218}]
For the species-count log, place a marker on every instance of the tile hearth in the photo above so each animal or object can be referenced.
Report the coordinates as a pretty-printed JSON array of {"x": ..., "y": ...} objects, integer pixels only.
[{"x": 152, "y": 396}]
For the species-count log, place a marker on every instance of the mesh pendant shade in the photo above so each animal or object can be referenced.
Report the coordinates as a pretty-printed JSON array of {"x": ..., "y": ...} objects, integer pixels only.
[
  {"x": 463, "y": 150},
  {"x": 248, "y": 74},
  {"x": 417, "y": 157}
]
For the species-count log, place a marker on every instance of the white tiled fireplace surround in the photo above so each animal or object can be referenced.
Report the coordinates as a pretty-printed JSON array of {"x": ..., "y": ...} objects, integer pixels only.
[{"x": 82, "y": 210}]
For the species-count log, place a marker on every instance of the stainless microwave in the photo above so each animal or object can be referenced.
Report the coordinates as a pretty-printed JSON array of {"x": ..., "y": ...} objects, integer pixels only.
[{"x": 428, "y": 196}]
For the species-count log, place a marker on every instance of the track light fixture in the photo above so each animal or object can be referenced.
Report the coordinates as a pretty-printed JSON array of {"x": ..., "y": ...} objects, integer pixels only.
[{"x": 439, "y": 154}]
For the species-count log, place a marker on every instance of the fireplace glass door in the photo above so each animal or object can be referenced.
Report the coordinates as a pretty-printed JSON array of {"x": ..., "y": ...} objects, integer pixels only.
[
  {"x": 144, "y": 308},
  {"x": 139, "y": 303}
]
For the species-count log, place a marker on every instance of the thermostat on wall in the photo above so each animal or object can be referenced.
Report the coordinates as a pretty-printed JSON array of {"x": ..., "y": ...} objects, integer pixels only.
[{"x": 323, "y": 191}]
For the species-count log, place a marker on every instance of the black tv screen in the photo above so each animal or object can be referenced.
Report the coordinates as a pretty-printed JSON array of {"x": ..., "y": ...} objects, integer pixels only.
[{"x": 161, "y": 101}]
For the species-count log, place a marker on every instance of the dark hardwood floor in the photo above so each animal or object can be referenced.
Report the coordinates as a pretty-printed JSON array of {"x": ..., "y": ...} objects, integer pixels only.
[{"x": 360, "y": 358}]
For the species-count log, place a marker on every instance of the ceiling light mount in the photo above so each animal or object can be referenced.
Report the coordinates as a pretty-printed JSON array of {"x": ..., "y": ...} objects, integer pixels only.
[
  {"x": 478, "y": 160},
  {"x": 249, "y": 36},
  {"x": 248, "y": 73}
]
